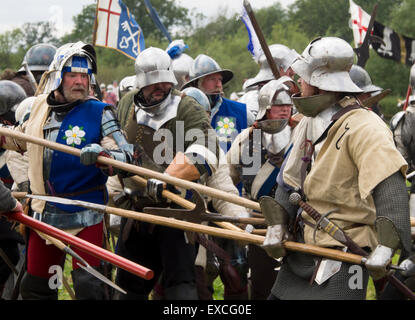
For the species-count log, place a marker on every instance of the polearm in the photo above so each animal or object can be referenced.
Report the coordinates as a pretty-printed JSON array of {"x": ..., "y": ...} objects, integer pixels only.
[
  {"x": 214, "y": 193},
  {"x": 408, "y": 94},
  {"x": 214, "y": 231},
  {"x": 29, "y": 73},
  {"x": 190, "y": 205},
  {"x": 82, "y": 262},
  {"x": 338, "y": 234},
  {"x": 261, "y": 39},
  {"x": 82, "y": 245}
]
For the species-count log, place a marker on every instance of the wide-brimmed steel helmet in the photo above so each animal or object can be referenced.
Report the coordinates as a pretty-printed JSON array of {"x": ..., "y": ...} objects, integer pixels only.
[
  {"x": 362, "y": 79},
  {"x": 203, "y": 66},
  {"x": 153, "y": 65},
  {"x": 39, "y": 57},
  {"x": 11, "y": 94},
  {"x": 325, "y": 63},
  {"x": 283, "y": 57}
]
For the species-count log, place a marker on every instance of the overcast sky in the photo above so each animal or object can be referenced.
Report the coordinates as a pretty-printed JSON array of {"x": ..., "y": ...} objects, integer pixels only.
[{"x": 60, "y": 12}]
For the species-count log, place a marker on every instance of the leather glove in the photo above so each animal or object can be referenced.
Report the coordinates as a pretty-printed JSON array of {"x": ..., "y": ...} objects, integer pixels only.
[
  {"x": 274, "y": 241},
  {"x": 378, "y": 261}
]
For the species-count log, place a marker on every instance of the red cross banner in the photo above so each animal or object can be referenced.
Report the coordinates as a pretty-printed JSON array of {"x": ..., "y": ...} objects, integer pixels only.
[
  {"x": 116, "y": 28},
  {"x": 395, "y": 46},
  {"x": 358, "y": 22}
]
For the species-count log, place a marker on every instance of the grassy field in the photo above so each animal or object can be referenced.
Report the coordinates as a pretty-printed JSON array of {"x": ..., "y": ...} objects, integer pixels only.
[{"x": 218, "y": 285}]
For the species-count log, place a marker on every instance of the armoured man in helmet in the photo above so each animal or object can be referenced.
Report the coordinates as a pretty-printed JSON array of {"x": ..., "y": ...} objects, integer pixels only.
[
  {"x": 402, "y": 125},
  {"x": 69, "y": 116},
  {"x": 266, "y": 143},
  {"x": 207, "y": 266},
  {"x": 227, "y": 117},
  {"x": 343, "y": 161},
  {"x": 283, "y": 57},
  {"x": 181, "y": 62},
  {"x": 37, "y": 59},
  {"x": 147, "y": 114},
  {"x": 11, "y": 94},
  {"x": 371, "y": 94}
]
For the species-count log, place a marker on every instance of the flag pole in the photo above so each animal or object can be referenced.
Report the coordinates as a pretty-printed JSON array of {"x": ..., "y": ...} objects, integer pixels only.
[
  {"x": 94, "y": 32},
  {"x": 261, "y": 39}
]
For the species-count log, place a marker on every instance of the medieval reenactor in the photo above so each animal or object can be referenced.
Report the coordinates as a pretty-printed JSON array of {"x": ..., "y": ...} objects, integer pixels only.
[{"x": 68, "y": 115}]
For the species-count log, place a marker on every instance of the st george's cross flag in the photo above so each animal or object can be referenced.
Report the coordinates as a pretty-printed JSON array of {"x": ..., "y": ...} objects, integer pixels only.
[
  {"x": 117, "y": 29},
  {"x": 359, "y": 22},
  {"x": 395, "y": 46}
]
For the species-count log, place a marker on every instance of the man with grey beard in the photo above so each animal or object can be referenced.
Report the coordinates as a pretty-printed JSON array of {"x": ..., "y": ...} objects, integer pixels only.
[{"x": 66, "y": 114}]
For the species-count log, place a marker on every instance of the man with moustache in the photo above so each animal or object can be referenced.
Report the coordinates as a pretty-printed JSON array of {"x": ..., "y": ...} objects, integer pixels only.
[
  {"x": 176, "y": 137},
  {"x": 67, "y": 115}
]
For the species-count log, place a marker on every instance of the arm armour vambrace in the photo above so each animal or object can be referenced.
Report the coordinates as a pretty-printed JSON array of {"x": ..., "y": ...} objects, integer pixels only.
[{"x": 110, "y": 126}]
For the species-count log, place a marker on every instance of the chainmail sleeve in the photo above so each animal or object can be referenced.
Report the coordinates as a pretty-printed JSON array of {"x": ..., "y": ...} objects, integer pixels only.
[{"x": 392, "y": 201}]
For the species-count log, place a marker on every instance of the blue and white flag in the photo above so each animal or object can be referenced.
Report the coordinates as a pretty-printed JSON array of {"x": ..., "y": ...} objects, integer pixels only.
[
  {"x": 254, "y": 46},
  {"x": 117, "y": 29}
]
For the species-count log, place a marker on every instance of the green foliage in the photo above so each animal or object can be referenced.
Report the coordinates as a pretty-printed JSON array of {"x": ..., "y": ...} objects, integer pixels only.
[
  {"x": 326, "y": 17},
  {"x": 171, "y": 15}
]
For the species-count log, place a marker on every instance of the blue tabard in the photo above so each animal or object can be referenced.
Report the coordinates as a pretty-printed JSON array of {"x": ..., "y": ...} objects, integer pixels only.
[
  {"x": 229, "y": 121},
  {"x": 67, "y": 173}
]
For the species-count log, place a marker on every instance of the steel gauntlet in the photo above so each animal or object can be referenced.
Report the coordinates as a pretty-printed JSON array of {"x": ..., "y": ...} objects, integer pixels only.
[
  {"x": 277, "y": 234},
  {"x": 389, "y": 241}
]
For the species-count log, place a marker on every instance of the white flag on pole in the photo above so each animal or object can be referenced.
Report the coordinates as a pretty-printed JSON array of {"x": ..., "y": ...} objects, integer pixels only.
[
  {"x": 254, "y": 46},
  {"x": 358, "y": 22}
]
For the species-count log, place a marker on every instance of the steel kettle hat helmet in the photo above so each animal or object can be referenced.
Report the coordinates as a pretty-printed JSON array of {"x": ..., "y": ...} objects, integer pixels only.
[
  {"x": 11, "y": 94},
  {"x": 71, "y": 57},
  {"x": 39, "y": 57},
  {"x": 362, "y": 79},
  {"x": 153, "y": 65},
  {"x": 283, "y": 57},
  {"x": 204, "y": 65},
  {"x": 325, "y": 63}
]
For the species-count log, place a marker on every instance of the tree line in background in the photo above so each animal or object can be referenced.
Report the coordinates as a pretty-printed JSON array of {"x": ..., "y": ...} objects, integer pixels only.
[{"x": 225, "y": 39}]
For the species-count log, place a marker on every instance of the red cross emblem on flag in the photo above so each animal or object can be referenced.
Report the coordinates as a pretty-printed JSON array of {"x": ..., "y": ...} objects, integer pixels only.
[
  {"x": 359, "y": 22},
  {"x": 360, "y": 26},
  {"x": 109, "y": 13}
]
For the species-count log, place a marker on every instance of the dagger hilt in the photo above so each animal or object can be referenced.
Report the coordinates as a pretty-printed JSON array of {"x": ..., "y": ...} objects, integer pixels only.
[{"x": 295, "y": 199}]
